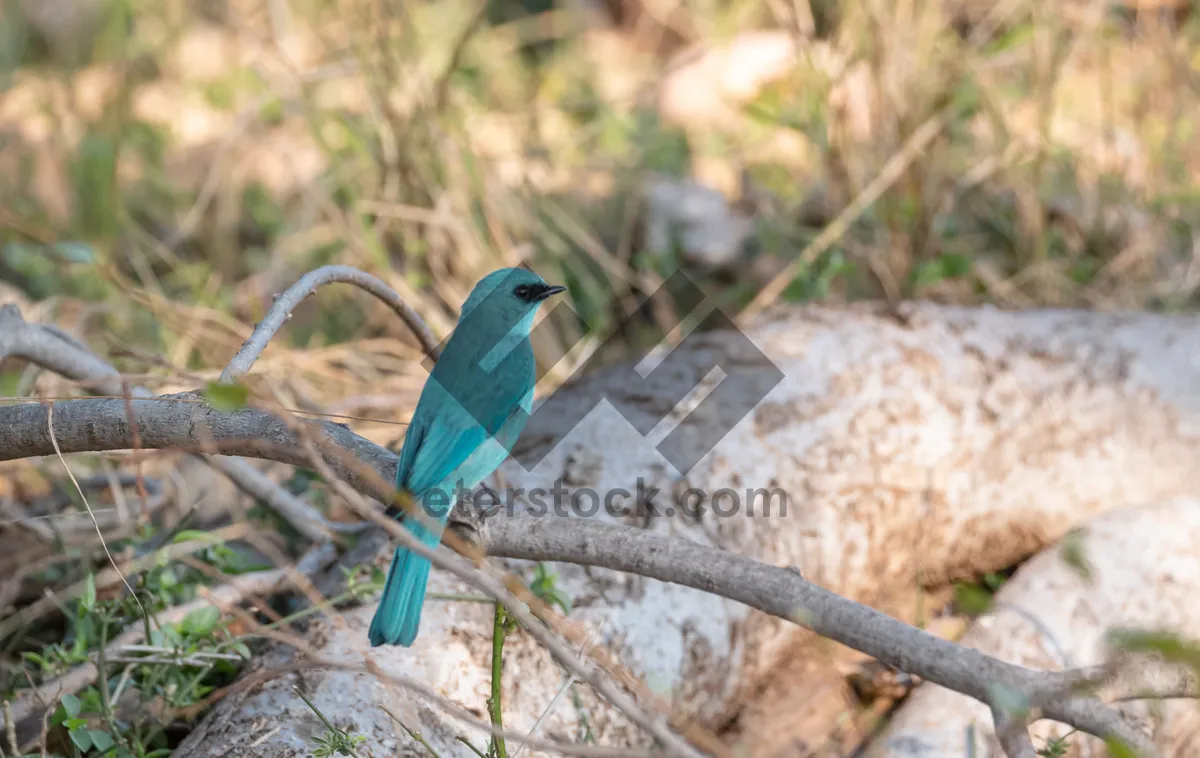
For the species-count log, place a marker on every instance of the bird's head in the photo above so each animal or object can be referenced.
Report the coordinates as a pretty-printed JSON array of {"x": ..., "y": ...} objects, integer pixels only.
[{"x": 506, "y": 298}]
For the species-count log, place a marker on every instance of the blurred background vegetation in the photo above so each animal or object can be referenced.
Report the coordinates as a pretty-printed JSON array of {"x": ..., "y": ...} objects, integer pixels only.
[
  {"x": 166, "y": 167},
  {"x": 169, "y": 166}
]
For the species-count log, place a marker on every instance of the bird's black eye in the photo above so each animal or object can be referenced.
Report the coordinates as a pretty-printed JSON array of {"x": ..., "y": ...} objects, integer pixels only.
[{"x": 522, "y": 291}]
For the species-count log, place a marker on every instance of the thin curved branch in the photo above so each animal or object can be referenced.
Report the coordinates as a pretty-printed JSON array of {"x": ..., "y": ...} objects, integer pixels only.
[
  {"x": 57, "y": 351},
  {"x": 283, "y": 306}
]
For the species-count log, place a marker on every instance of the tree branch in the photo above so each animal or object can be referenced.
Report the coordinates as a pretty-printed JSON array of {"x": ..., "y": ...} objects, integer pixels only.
[
  {"x": 58, "y": 352},
  {"x": 183, "y": 422},
  {"x": 283, "y": 306}
]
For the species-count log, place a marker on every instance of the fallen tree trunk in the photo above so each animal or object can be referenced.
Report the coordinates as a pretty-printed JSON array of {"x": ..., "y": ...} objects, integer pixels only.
[{"x": 910, "y": 454}]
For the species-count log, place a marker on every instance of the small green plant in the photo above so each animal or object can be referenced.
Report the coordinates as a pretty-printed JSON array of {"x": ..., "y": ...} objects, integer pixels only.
[
  {"x": 177, "y": 666},
  {"x": 1057, "y": 747},
  {"x": 1073, "y": 554},
  {"x": 977, "y": 599},
  {"x": 502, "y": 626},
  {"x": 545, "y": 587},
  {"x": 971, "y": 599},
  {"x": 335, "y": 741},
  {"x": 84, "y": 737}
]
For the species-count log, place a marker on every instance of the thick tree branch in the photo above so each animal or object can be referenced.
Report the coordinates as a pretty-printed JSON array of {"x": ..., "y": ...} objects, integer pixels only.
[{"x": 183, "y": 421}]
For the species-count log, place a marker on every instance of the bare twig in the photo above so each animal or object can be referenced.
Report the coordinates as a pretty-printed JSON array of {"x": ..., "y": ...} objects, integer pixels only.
[
  {"x": 302, "y": 516},
  {"x": 281, "y": 310},
  {"x": 415, "y": 735},
  {"x": 49, "y": 507},
  {"x": 56, "y": 350}
]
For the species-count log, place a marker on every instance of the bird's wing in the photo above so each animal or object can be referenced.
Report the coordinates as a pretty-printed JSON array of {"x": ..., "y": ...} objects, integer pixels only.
[{"x": 442, "y": 436}]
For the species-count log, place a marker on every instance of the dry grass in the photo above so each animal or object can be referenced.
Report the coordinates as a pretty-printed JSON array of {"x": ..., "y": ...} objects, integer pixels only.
[
  {"x": 165, "y": 167},
  {"x": 202, "y": 165}
]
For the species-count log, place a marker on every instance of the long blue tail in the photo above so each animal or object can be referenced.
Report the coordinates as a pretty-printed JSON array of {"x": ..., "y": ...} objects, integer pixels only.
[{"x": 399, "y": 613}]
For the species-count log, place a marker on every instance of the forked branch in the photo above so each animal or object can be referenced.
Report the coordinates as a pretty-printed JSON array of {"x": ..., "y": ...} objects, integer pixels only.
[{"x": 186, "y": 422}]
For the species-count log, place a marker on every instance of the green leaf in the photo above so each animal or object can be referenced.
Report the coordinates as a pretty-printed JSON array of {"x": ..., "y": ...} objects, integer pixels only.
[
  {"x": 82, "y": 739},
  {"x": 545, "y": 587},
  {"x": 1072, "y": 554},
  {"x": 945, "y": 266},
  {"x": 71, "y": 705},
  {"x": 971, "y": 599},
  {"x": 101, "y": 739},
  {"x": 88, "y": 601},
  {"x": 226, "y": 397},
  {"x": 189, "y": 535},
  {"x": 1117, "y": 748},
  {"x": 1170, "y": 646},
  {"x": 201, "y": 622}
]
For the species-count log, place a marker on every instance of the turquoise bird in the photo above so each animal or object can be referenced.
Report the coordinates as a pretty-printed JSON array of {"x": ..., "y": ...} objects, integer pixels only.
[{"x": 471, "y": 411}]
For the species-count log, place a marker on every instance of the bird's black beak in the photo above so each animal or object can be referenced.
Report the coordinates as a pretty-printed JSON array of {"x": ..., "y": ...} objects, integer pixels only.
[{"x": 547, "y": 290}]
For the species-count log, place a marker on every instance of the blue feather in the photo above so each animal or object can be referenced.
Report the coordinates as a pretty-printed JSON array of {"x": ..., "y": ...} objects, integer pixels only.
[{"x": 470, "y": 413}]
